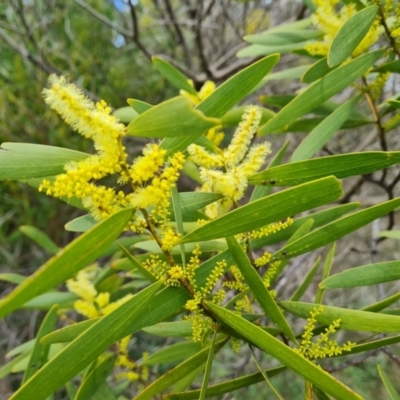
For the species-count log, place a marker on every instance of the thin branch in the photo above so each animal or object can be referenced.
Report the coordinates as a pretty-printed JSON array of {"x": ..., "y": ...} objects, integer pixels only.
[{"x": 387, "y": 31}]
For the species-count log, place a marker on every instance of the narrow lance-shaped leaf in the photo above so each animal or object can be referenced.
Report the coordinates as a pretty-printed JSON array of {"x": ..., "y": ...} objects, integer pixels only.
[
  {"x": 95, "y": 377},
  {"x": 40, "y": 352},
  {"x": 173, "y": 74},
  {"x": 394, "y": 395},
  {"x": 25, "y": 161},
  {"x": 257, "y": 287},
  {"x": 335, "y": 230},
  {"x": 371, "y": 274},
  {"x": 306, "y": 281},
  {"x": 174, "y": 117},
  {"x": 350, "y": 34},
  {"x": 341, "y": 166},
  {"x": 316, "y": 71},
  {"x": 225, "y": 97},
  {"x": 354, "y": 320},
  {"x": 269, "y": 209},
  {"x": 284, "y": 354},
  {"x": 139, "y": 106},
  {"x": 326, "y": 272},
  {"x": 85, "y": 348},
  {"x": 324, "y": 131},
  {"x": 177, "y": 373},
  {"x": 322, "y": 90},
  {"x": 207, "y": 372},
  {"x": 67, "y": 261}
]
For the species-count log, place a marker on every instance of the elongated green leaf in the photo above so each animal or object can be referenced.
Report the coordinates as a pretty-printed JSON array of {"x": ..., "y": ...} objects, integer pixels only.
[
  {"x": 85, "y": 348},
  {"x": 125, "y": 114},
  {"x": 322, "y": 90},
  {"x": 290, "y": 73},
  {"x": 353, "y": 320},
  {"x": 324, "y": 131},
  {"x": 207, "y": 372},
  {"x": 257, "y": 287},
  {"x": 335, "y": 230},
  {"x": 10, "y": 277},
  {"x": 341, "y": 166},
  {"x": 96, "y": 376},
  {"x": 192, "y": 201},
  {"x": 269, "y": 209},
  {"x": 174, "y": 117},
  {"x": 326, "y": 272},
  {"x": 350, "y": 34},
  {"x": 39, "y": 237},
  {"x": 172, "y": 353},
  {"x": 393, "y": 66},
  {"x": 380, "y": 305},
  {"x": 390, "y": 234},
  {"x": 176, "y": 204},
  {"x": 22, "y": 348},
  {"x": 262, "y": 191},
  {"x": 363, "y": 276},
  {"x": 47, "y": 300},
  {"x": 320, "y": 218},
  {"x": 173, "y": 75},
  {"x": 234, "y": 116},
  {"x": 40, "y": 352},
  {"x": 284, "y": 354},
  {"x": 170, "y": 329},
  {"x": 139, "y": 106},
  {"x": 256, "y": 50},
  {"x": 306, "y": 282},
  {"x": 25, "y": 161},
  {"x": 225, "y": 387},
  {"x": 69, "y": 333},
  {"x": 376, "y": 344},
  {"x": 225, "y": 97},
  {"x": 177, "y": 373},
  {"x": 316, "y": 71},
  {"x": 394, "y": 395},
  {"x": 147, "y": 274},
  {"x": 8, "y": 368},
  {"x": 67, "y": 261},
  {"x": 282, "y": 37}
]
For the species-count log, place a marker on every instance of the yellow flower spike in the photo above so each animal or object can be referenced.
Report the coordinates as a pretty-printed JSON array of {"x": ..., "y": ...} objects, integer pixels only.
[
  {"x": 242, "y": 137},
  {"x": 255, "y": 159},
  {"x": 102, "y": 299},
  {"x": 82, "y": 286},
  {"x": 86, "y": 308},
  {"x": 202, "y": 157}
]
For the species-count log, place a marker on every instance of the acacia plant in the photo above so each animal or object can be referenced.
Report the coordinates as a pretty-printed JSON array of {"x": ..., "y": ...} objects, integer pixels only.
[{"x": 204, "y": 265}]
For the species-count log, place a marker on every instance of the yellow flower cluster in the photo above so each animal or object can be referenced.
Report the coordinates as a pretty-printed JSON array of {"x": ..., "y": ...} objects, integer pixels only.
[
  {"x": 238, "y": 161},
  {"x": 329, "y": 21},
  {"x": 264, "y": 259},
  {"x": 95, "y": 121},
  {"x": 170, "y": 239},
  {"x": 324, "y": 346},
  {"x": 207, "y": 88},
  {"x": 270, "y": 229}
]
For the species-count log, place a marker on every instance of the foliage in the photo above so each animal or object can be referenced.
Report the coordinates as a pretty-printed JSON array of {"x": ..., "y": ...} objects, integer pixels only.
[{"x": 200, "y": 266}]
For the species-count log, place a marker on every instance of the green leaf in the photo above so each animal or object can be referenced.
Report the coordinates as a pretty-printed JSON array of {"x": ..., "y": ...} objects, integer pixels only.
[
  {"x": 139, "y": 106},
  {"x": 341, "y": 166},
  {"x": 136, "y": 264},
  {"x": 363, "y": 276},
  {"x": 170, "y": 329},
  {"x": 257, "y": 287},
  {"x": 322, "y": 90},
  {"x": 394, "y": 395},
  {"x": 256, "y": 50},
  {"x": 269, "y": 209},
  {"x": 172, "y": 353},
  {"x": 174, "y": 117},
  {"x": 289, "y": 73},
  {"x": 177, "y": 373},
  {"x": 353, "y": 320},
  {"x": 125, "y": 114},
  {"x": 282, "y": 37},
  {"x": 335, "y": 230},
  {"x": 10, "y": 277},
  {"x": 393, "y": 66},
  {"x": 176, "y": 204},
  {"x": 326, "y": 272},
  {"x": 25, "y": 161},
  {"x": 284, "y": 354},
  {"x": 47, "y": 300},
  {"x": 39, "y": 237},
  {"x": 376, "y": 344},
  {"x": 40, "y": 352},
  {"x": 96, "y": 376},
  {"x": 81, "y": 224},
  {"x": 207, "y": 372},
  {"x": 225, "y": 97},
  {"x": 8, "y": 368},
  {"x": 350, "y": 35},
  {"x": 192, "y": 201},
  {"x": 228, "y": 386},
  {"x": 390, "y": 234},
  {"x": 69, "y": 333},
  {"x": 380, "y": 305},
  {"x": 320, "y": 218},
  {"x": 324, "y": 131},
  {"x": 67, "y": 261},
  {"x": 85, "y": 348},
  {"x": 234, "y": 116},
  {"x": 316, "y": 71},
  {"x": 306, "y": 282},
  {"x": 173, "y": 75},
  {"x": 394, "y": 103}
]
